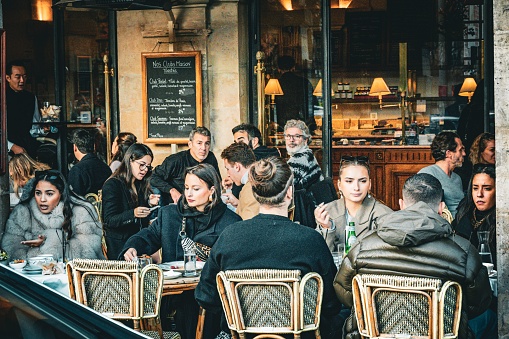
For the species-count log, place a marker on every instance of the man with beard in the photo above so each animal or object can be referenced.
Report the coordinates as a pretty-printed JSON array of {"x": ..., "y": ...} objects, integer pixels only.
[
  {"x": 448, "y": 152},
  {"x": 251, "y": 136},
  {"x": 305, "y": 168}
]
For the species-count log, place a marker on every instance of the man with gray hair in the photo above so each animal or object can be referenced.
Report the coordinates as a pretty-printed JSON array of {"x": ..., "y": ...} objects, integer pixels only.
[
  {"x": 417, "y": 241},
  {"x": 305, "y": 168},
  {"x": 169, "y": 177}
]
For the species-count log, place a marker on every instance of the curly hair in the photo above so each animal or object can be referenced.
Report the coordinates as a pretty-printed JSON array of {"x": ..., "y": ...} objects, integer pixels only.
[
  {"x": 478, "y": 147},
  {"x": 443, "y": 142},
  {"x": 300, "y": 125}
]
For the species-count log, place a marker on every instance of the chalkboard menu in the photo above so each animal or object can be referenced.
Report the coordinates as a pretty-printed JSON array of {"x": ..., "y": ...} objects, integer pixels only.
[{"x": 172, "y": 96}]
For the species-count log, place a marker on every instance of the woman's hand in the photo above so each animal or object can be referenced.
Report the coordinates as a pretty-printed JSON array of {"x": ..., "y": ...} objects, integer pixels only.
[
  {"x": 153, "y": 199},
  {"x": 141, "y": 212},
  {"x": 35, "y": 243},
  {"x": 130, "y": 254},
  {"x": 322, "y": 216}
]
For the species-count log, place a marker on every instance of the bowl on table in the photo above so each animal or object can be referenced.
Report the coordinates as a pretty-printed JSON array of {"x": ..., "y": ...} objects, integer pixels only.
[
  {"x": 18, "y": 264},
  {"x": 40, "y": 260}
]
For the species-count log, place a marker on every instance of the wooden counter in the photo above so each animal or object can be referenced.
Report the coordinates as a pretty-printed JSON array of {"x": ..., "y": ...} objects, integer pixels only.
[{"x": 390, "y": 166}]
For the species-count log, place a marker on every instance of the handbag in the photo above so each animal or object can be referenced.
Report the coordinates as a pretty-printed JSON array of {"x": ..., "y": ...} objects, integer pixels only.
[{"x": 188, "y": 244}]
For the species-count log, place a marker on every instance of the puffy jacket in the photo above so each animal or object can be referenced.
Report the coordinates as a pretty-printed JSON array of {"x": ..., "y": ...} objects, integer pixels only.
[{"x": 416, "y": 241}]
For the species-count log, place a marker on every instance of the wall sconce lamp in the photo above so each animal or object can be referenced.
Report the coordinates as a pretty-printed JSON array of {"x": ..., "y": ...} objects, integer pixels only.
[
  {"x": 344, "y": 3},
  {"x": 468, "y": 88},
  {"x": 379, "y": 88},
  {"x": 41, "y": 10}
]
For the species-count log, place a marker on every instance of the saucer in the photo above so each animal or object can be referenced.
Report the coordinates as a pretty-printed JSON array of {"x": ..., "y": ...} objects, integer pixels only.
[
  {"x": 171, "y": 274},
  {"x": 32, "y": 270}
]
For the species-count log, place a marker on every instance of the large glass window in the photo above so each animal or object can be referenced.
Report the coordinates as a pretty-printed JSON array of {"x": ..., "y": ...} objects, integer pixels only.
[{"x": 423, "y": 51}]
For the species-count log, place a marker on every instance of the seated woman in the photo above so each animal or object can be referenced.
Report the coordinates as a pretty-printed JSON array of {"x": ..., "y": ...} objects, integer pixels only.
[
  {"x": 53, "y": 221},
  {"x": 355, "y": 204},
  {"x": 127, "y": 198},
  {"x": 476, "y": 212},
  {"x": 200, "y": 215},
  {"x": 483, "y": 149},
  {"x": 119, "y": 147},
  {"x": 22, "y": 169}
]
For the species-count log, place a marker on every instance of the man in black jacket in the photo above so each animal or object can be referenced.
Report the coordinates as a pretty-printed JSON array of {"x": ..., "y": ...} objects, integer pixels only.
[
  {"x": 168, "y": 177},
  {"x": 90, "y": 173}
]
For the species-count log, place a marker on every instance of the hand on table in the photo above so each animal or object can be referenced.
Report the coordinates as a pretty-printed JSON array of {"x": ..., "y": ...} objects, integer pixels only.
[{"x": 130, "y": 254}]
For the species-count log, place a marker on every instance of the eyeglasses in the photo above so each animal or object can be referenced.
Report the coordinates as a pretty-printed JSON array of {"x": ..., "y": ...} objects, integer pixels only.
[
  {"x": 292, "y": 137},
  {"x": 47, "y": 174},
  {"x": 361, "y": 159},
  {"x": 143, "y": 166}
]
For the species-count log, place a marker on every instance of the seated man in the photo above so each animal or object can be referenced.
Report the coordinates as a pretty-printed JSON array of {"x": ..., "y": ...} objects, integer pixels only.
[
  {"x": 238, "y": 159},
  {"x": 269, "y": 240},
  {"x": 416, "y": 241},
  {"x": 90, "y": 173}
]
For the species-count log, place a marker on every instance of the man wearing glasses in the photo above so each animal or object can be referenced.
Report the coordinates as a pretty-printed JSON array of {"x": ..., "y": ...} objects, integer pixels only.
[
  {"x": 305, "y": 168},
  {"x": 90, "y": 173}
]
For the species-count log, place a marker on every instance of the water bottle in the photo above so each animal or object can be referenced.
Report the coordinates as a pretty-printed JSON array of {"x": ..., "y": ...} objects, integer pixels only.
[
  {"x": 484, "y": 246},
  {"x": 350, "y": 237}
]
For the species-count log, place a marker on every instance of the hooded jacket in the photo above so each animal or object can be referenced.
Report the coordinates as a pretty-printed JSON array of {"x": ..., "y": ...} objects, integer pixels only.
[
  {"x": 418, "y": 242},
  {"x": 163, "y": 233}
]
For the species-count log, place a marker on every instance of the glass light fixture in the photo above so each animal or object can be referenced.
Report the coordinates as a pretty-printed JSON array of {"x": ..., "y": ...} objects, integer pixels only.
[
  {"x": 344, "y": 3},
  {"x": 41, "y": 10},
  {"x": 468, "y": 88}
]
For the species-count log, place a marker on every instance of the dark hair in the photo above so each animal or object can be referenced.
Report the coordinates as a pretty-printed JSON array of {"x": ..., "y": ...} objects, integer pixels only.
[
  {"x": 467, "y": 205},
  {"x": 84, "y": 141},
  {"x": 423, "y": 187},
  {"x": 200, "y": 130},
  {"x": 124, "y": 172},
  {"x": 239, "y": 152},
  {"x": 285, "y": 62},
  {"x": 443, "y": 142},
  {"x": 271, "y": 178},
  {"x": 208, "y": 174},
  {"x": 251, "y": 130},
  {"x": 124, "y": 141},
  {"x": 11, "y": 64},
  {"x": 347, "y": 161},
  {"x": 478, "y": 146},
  {"x": 56, "y": 178}
]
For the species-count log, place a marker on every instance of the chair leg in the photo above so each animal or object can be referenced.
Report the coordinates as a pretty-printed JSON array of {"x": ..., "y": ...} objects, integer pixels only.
[
  {"x": 136, "y": 325},
  {"x": 317, "y": 334},
  {"x": 201, "y": 323}
]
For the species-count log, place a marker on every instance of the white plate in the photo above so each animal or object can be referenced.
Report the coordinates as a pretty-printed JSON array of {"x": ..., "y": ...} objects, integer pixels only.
[
  {"x": 171, "y": 274},
  {"x": 178, "y": 266}
]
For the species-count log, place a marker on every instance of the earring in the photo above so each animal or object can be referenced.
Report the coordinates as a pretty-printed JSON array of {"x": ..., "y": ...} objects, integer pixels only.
[
  {"x": 369, "y": 194},
  {"x": 340, "y": 194},
  {"x": 210, "y": 198}
]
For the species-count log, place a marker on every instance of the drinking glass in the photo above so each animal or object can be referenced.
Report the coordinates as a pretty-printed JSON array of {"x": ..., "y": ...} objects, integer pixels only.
[
  {"x": 484, "y": 247},
  {"x": 144, "y": 260},
  {"x": 190, "y": 263}
]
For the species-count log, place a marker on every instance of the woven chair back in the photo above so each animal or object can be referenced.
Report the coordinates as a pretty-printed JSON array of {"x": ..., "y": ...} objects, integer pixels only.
[
  {"x": 420, "y": 307},
  {"x": 267, "y": 301}
]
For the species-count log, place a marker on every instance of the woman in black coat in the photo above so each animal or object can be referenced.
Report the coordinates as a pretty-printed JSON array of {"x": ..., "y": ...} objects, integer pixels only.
[
  {"x": 127, "y": 198},
  {"x": 204, "y": 217}
]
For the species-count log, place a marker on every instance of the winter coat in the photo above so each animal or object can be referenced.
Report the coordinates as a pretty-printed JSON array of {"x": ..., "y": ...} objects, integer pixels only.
[
  {"x": 26, "y": 222},
  {"x": 417, "y": 241},
  {"x": 163, "y": 233},
  {"x": 364, "y": 220}
]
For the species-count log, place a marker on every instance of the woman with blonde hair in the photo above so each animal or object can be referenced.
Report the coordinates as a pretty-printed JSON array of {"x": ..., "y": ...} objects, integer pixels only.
[
  {"x": 22, "y": 169},
  {"x": 482, "y": 150}
]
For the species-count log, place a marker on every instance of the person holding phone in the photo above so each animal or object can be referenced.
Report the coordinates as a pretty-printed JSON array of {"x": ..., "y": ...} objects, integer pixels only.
[{"x": 128, "y": 198}]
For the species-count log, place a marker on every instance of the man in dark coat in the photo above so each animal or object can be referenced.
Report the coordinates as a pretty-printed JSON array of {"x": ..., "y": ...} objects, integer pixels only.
[
  {"x": 90, "y": 173},
  {"x": 417, "y": 241},
  {"x": 168, "y": 177}
]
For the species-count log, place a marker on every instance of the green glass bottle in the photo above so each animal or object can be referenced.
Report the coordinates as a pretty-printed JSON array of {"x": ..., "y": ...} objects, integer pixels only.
[{"x": 350, "y": 237}]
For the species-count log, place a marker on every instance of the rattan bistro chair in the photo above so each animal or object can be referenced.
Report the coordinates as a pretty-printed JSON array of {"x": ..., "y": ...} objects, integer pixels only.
[
  {"x": 421, "y": 307},
  {"x": 270, "y": 302},
  {"x": 119, "y": 290}
]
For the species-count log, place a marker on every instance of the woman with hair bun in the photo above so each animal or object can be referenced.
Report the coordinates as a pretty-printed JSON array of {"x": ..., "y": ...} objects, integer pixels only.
[
  {"x": 119, "y": 147},
  {"x": 269, "y": 241}
]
